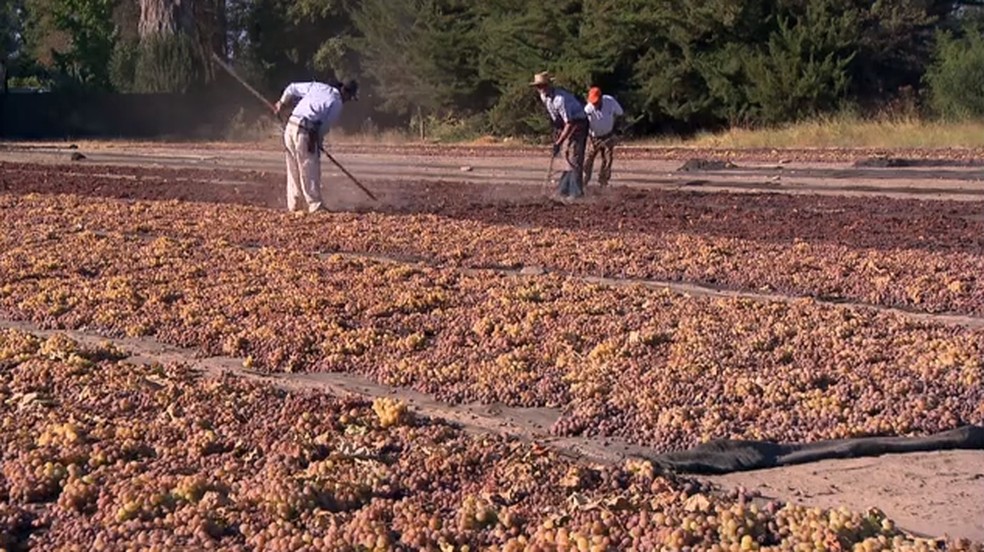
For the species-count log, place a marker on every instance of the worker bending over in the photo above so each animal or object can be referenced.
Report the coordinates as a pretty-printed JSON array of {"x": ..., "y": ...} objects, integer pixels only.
[
  {"x": 567, "y": 115},
  {"x": 318, "y": 108},
  {"x": 603, "y": 112}
]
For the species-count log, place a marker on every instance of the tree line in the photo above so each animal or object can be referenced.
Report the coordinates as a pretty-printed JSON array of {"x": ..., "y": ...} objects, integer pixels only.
[{"x": 678, "y": 65}]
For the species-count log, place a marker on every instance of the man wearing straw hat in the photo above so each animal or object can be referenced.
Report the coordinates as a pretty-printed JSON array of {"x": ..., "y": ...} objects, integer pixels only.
[
  {"x": 567, "y": 114},
  {"x": 603, "y": 112}
]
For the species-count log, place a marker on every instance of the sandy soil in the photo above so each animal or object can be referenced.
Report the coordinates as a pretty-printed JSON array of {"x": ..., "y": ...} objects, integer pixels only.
[
  {"x": 830, "y": 172},
  {"x": 933, "y": 494}
]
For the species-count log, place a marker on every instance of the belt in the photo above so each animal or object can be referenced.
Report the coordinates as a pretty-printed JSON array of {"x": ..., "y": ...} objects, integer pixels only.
[{"x": 304, "y": 124}]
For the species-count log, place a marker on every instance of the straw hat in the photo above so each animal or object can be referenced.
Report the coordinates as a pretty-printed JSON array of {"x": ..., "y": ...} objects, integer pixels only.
[{"x": 542, "y": 79}]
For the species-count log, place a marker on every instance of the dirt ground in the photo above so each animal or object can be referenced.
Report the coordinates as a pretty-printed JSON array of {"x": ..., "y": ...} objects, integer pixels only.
[
  {"x": 934, "y": 174},
  {"x": 931, "y": 493},
  {"x": 926, "y": 493}
]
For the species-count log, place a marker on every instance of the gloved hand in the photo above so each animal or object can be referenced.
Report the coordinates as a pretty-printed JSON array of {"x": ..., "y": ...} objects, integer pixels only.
[{"x": 556, "y": 149}]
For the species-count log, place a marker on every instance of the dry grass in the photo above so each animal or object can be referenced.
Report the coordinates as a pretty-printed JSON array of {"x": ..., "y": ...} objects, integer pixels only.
[
  {"x": 399, "y": 138},
  {"x": 842, "y": 131}
]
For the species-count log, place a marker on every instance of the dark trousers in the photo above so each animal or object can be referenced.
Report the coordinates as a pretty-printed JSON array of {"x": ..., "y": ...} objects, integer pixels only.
[{"x": 570, "y": 184}]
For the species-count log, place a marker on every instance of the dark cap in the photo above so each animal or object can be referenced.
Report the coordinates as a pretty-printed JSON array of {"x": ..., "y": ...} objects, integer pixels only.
[{"x": 352, "y": 89}]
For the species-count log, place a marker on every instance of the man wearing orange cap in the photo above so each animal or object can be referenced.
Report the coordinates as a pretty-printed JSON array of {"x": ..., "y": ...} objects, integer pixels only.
[{"x": 603, "y": 112}]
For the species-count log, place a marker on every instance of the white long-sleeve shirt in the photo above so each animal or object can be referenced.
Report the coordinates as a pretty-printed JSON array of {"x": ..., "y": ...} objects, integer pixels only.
[
  {"x": 563, "y": 107},
  {"x": 319, "y": 103},
  {"x": 602, "y": 120}
]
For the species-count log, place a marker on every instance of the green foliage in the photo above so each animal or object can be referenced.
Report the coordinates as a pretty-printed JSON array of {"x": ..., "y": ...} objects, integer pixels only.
[
  {"x": 11, "y": 27},
  {"x": 90, "y": 34},
  {"x": 895, "y": 46},
  {"x": 691, "y": 69},
  {"x": 392, "y": 56},
  {"x": 450, "y": 128},
  {"x": 166, "y": 63},
  {"x": 804, "y": 71},
  {"x": 123, "y": 65},
  {"x": 518, "y": 112},
  {"x": 517, "y": 39},
  {"x": 956, "y": 77},
  {"x": 280, "y": 41},
  {"x": 419, "y": 55},
  {"x": 461, "y": 67},
  {"x": 34, "y": 82},
  {"x": 40, "y": 35}
]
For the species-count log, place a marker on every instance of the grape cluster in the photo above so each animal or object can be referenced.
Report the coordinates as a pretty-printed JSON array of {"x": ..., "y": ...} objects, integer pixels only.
[{"x": 391, "y": 412}]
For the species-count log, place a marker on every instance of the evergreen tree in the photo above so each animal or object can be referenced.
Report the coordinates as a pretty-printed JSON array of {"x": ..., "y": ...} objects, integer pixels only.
[
  {"x": 804, "y": 70},
  {"x": 74, "y": 38},
  {"x": 517, "y": 39},
  {"x": 420, "y": 55},
  {"x": 683, "y": 64},
  {"x": 956, "y": 76},
  {"x": 92, "y": 33}
]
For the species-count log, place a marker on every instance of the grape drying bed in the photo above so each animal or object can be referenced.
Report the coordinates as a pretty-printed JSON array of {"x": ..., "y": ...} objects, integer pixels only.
[
  {"x": 106, "y": 453},
  {"x": 174, "y": 256}
]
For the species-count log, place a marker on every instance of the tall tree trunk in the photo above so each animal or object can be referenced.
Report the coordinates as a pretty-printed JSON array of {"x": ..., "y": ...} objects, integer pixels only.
[
  {"x": 210, "y": 20},
  {"x": 126, "y": 17},
  {"x": 166, "y": 17},
  {"x": 200, "y": 24}
]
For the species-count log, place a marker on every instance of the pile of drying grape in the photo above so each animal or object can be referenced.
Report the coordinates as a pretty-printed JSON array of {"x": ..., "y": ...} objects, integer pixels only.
[
  {"x": 622, "y": 361},
  {"x": 911, "y": 274},
  {"x": 875, "y": 222},
  {"x": 100, "y": 454}
]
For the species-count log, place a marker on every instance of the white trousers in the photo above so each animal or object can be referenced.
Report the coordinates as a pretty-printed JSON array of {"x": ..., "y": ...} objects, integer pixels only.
[{"x": 303, "y": 169}]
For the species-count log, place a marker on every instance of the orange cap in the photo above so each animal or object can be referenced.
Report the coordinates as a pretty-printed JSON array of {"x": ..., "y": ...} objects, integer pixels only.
[{"x": 594, "y": 94}]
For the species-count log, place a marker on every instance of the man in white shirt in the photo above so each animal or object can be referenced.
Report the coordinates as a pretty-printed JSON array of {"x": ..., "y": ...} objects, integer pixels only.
[
  {"x": 603, "y": 112},
  {"x": 318, "y": 107}
]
